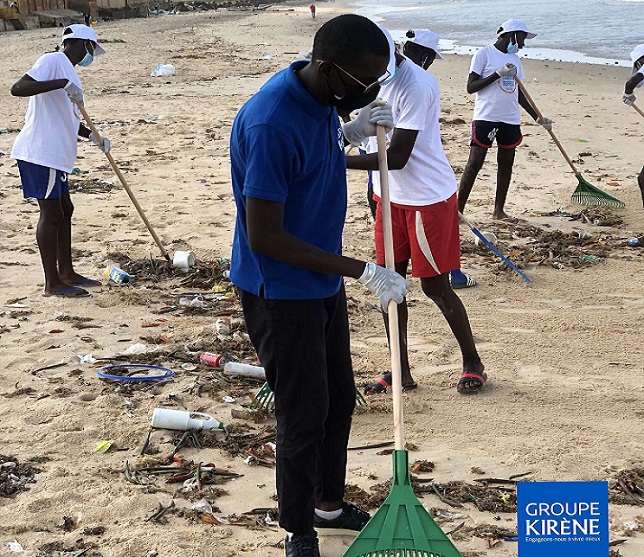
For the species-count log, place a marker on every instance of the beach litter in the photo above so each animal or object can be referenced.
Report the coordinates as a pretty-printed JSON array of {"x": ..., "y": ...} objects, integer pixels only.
[
  {"x": 163, "y": 70},
  {"x": 15, "y": 476}
]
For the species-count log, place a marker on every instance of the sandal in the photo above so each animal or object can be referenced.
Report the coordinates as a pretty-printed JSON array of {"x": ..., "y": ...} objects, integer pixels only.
[
  {"x": 463, "y": 280},
  {"x": 471, "y": 382},
  {"x": 383, "y": 385}
]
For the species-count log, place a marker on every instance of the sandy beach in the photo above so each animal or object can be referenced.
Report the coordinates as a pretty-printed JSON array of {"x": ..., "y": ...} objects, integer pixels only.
[{"x": 564, "y": 357}]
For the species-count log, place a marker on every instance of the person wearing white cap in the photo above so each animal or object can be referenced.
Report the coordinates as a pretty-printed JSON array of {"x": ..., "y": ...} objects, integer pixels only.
[
  {"x": 423, "y": 204},
  {"x": 636, "y": 81},
  {"x": 497, "y": 114},
  {"x": 46, "y": 151},
  {"x": 421, "y": 47}
]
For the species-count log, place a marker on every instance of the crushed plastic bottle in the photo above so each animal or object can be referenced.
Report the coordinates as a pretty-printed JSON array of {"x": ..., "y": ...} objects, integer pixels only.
[{"x": 163, "y": 70}]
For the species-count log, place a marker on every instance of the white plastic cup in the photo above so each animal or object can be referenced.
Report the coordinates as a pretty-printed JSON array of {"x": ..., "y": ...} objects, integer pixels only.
[
  {"x": 183, "y": 260},
  {"x": 245, "y": 370},
  {"x": 489, "y": 236},
  {"x": 180, "y": 420}
]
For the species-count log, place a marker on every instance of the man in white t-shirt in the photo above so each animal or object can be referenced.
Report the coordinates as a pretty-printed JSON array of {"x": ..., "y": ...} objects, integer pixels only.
[
  {"x": 636, "y": 81},
  {"x": 423, "y": 197},
  {"x": 496, "y": 111},
  {"x": 46, "y": 151}
]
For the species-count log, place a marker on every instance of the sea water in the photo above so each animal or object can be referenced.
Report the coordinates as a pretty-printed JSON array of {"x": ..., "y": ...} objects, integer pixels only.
[{"x": 593, "y": 31}]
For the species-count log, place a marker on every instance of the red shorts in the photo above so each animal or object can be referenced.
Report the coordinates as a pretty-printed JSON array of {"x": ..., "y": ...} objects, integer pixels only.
[{"x": 428, "y": 235}]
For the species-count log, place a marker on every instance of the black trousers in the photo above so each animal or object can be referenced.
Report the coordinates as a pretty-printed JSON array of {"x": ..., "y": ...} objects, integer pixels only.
[{"x": 304, "y": 348}]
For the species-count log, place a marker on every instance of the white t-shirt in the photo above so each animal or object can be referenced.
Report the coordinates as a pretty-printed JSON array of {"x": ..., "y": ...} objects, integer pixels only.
[
  {"x": 427, "y": 178},
  {"x": 498, "y": 102},
  {"x": 50, "y": 134}
]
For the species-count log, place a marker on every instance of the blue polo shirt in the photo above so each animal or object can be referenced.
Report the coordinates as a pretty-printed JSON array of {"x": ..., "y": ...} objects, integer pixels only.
[{"x": 287, "y": 147}]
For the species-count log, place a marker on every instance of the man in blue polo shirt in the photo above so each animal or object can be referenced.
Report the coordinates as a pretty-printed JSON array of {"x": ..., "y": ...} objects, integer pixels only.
[{"x": 289, "y": 182}]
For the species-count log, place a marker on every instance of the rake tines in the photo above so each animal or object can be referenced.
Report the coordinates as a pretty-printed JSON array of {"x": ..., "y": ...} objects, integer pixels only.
[
  {"x": 265, "y": 399},
  {"x": 587, "y": 194}
]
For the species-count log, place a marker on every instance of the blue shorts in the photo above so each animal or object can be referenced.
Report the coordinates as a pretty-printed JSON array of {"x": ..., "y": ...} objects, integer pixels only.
[
  {"x": 507, "y": 136},
  {"x": 42, "y": 182}
]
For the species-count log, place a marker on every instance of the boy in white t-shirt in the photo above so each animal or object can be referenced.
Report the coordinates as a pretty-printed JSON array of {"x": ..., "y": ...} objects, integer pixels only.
[
  {"x": 46, "y": 151},
  {"x": 496, "y": 111},
  {"x": 636, "y": 81},
  {"x": 422, "y": 189}
]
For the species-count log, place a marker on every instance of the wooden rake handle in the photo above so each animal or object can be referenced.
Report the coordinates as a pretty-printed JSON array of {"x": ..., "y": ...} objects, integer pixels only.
[
  {"x": 638, "y": 109},
  {"x": 392, "y": 310},
  {"x": 552, "y": 134},
  {"x": 118, "y": 172}
]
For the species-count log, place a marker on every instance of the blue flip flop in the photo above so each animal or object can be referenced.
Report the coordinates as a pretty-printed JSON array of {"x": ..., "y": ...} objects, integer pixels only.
[
  {"x": 70, "y": 292},
  {"x": 88, "y": 282}
]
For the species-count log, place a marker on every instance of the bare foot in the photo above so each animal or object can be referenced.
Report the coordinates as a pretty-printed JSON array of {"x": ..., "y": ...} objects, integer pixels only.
[
  {"x": 79, "y": 280},
  {"x": 504, "y": 217}
]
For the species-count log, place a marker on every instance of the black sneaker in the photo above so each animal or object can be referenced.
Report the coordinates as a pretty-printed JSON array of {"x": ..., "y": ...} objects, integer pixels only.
[
  {"x": 351, "y": 520},
  {"x": 306, "y": 545}
]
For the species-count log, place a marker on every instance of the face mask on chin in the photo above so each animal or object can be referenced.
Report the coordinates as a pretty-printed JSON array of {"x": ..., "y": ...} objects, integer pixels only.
[
  {"x": 87, "y": 60},
  {"x": 512, "y": 48}
]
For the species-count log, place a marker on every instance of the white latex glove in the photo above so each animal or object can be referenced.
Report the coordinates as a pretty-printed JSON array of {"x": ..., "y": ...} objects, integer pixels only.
[
  {"x": 629, "y": 99},
  {"x": 378, "y": 113},
  {"x": 104, "y": 146},
  {"x": 546, "y": 123},
  {"x": 74, "y": 92},
  {"x": 387, "y": 285},
  {"x": 509, "y": 70}
]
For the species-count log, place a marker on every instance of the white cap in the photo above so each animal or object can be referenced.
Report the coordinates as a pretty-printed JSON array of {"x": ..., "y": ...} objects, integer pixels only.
[
  {"x": 80, "y": 31},
  {"x": 637, "y": 53},
  {"x": 515, "y": 25},
  {"x": 391, "y": 67},
  {"x": 426, "y": 38}
]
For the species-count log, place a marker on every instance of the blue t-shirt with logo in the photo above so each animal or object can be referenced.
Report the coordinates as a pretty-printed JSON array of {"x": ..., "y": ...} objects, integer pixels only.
[{"x": 287, "y": 147}]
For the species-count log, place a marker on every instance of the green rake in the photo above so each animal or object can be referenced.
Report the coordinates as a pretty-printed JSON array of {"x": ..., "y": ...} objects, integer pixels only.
[
  {"x": 265, "y": 399},
  {"x": 586, "y": 193},
  {"x": 401, "y": 527}
]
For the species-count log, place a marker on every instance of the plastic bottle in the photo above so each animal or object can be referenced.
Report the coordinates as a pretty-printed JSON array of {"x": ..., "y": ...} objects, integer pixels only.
[
  {"x": 181, "y": 420},
  {"x": 212, "y": 360},
  {"x": 245, "y": 370}
]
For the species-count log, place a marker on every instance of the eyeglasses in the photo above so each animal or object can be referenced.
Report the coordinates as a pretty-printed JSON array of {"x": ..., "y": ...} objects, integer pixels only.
[{"x": 367, "y": 88}]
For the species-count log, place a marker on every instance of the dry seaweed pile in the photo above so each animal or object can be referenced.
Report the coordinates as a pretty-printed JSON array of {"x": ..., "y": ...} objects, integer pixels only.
[
  {"x": 15, "y": 476},
  {"x": 90, "y": 185},
  {"x": 455, "y": 493},
  {"x": 204, "y": 275},
  {"x": 527, "y": 244},
  {"x": 484, "y": 531},
  {"x": 596, "y": 216},
  {"x": 627, "y": 488}
]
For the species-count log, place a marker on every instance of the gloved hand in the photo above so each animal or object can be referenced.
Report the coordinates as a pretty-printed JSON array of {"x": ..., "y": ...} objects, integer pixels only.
[
  {"x": 104, "y": 146},
  {"x": 629, "y": 99},
  {"x": 74, "y": 92},
  {"x": 509, "y": 70},
  {"x": 546, "y": 123},
  {"x": 387, "y": 285},
  {"x": 378, "y": 113}
]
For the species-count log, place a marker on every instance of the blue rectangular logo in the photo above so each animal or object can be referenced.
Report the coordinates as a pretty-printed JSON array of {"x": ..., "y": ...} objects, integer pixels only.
[{"x": 562, "y": 519}]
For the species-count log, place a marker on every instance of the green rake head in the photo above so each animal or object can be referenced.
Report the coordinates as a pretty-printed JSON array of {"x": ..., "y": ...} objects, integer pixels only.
[
  {"x": 402, "y": 527},
  {"x": 265, "y": 399},
  {"x": 587, "y": 194}
]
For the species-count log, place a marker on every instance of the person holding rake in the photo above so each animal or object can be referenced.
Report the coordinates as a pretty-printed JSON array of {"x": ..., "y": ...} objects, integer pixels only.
[
  {"x": 636, "y": 81},
  {"x": 496, "y": 111},
  {"x": 46, "y": 149},
  {"x": 289, "y": 183},
  {"x": 423, "y": 199}
]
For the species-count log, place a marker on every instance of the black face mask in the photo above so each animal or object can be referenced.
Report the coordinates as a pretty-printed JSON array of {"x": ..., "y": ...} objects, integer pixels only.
[{"x": 352, "y": 102}]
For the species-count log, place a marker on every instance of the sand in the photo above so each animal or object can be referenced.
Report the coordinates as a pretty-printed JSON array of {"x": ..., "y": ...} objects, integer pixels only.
[{"x": 564, "y": 400}]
